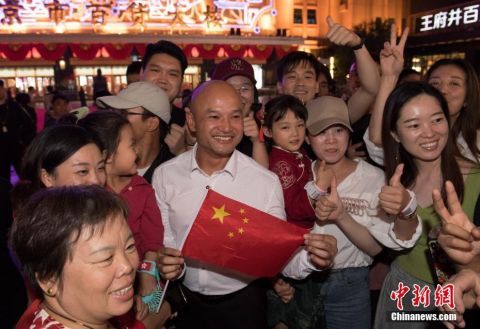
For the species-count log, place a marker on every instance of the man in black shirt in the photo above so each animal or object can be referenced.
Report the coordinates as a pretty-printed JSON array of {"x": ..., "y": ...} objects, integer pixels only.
[
  {"x": 10, "y": 141},
  {"x": 164, "y": 64}
]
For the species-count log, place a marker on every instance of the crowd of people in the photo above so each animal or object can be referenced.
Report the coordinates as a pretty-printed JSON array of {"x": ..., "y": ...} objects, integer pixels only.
[{"x": 105, "y": 201}]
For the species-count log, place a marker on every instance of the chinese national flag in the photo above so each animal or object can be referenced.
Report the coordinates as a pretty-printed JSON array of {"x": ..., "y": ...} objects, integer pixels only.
[{"x": 230, "y": 234}]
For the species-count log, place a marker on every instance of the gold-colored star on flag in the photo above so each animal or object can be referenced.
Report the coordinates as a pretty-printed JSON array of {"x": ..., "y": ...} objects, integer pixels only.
[
  {"x": 245, "y": 220},
  {"x": 241, "y": 230},
  {"x": 242, "y": 211},
  {"x": 230, "y": 235},
  {"x": 220, "y": 213}
]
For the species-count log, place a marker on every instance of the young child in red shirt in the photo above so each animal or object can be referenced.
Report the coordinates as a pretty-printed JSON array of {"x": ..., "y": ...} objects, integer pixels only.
[
  {"x": 115, "y": 134},
  {"x": 284, "y": 129}
]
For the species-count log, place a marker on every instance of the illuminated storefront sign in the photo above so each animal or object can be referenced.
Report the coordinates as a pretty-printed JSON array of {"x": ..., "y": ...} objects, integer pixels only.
[
  {"x": 449, "y": 18},
  {"x": 119, "y": 16}
]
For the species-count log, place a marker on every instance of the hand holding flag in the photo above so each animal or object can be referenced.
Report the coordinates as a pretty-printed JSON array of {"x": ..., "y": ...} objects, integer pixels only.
[
  {"x": 233, "y": 235},
  {"x": 322, "y": 249},
  {"x": 170, "y": 263}
]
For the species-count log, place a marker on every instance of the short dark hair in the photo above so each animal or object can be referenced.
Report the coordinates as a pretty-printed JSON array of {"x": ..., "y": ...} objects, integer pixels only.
[
  {"x": 50, "y": 148},
  {"x": 395, "y": 153},
  {"x": 58, "y": 96},
  {"x": 165, "y": 47},
  {"x": 295, "y": 58},
  {"x": 406, "y": 72},
  {"x": 48, "y": 226},
  {"x": 23, "y": 99},
  {"x": 134, "y": 68},
  {"x": 106, "y": 127},
  {"x": 277, "y": 108}
]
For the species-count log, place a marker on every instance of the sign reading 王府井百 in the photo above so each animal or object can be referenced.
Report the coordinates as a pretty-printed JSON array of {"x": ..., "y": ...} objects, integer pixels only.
[{"x": 448, "y": 17}]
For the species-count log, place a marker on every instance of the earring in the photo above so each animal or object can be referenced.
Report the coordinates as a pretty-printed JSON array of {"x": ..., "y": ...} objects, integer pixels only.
[{"x": 50, "y": 293}]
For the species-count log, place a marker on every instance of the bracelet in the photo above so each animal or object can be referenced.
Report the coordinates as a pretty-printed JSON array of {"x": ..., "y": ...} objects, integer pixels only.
[
  {"x": 411, "y": 207},
  {"x": 359, "y": 46},
  {"x": 149, "y": 267},
  {"x": 153, "y": 299},
  {"x": 313, "y": 191}
]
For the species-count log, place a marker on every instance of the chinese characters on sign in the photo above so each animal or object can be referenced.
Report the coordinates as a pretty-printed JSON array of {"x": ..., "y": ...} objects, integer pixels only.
[
  {"x": 453, "y": 17},
  {"x": 153, "y": 14},
  {"x": 421, "y": 296}
]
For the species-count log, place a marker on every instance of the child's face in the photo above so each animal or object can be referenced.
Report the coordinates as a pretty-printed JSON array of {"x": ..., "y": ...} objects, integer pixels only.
[
  {"x": 288, "y": 132},
  {"x": 123, "y": 161},
  {"x": 331, "y": 144},
  {"x": 60, "y": 107},
  {"x": 300, "y": 82}
]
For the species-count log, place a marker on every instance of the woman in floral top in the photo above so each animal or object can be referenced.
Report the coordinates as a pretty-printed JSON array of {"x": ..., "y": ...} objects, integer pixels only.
[{"x": 76, "y": 248}]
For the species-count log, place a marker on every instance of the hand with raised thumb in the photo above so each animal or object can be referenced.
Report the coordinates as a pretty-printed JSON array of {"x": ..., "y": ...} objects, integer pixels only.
[
  {"x": 250, "y": 128},
  {"x": 329, "y": 206},
  {"x": 323, "y": 176},
  {"x": 394, "y": 197},
  {"x": 340, "y": 35}
]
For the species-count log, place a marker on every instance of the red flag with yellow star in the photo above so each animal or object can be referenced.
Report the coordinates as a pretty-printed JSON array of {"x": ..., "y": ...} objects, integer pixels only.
[{"x": 230, "y": 234}]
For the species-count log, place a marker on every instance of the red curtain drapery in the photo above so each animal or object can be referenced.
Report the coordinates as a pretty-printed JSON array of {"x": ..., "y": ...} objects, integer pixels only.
[
  {"x": 285, "y": 49},
  {"x": 140, "y": 47},
  {"x": 118, "y": 50},
  {"x": 51, "y": 51},
  {"x": 208, "y": 51},
  {"x": 261, "y": 52},
  {"x": 235, "y": 50},
  {"x": 55, "y": 51},
  {"x": 15, "y": 52},
  {"x": 85, "y": 51}
]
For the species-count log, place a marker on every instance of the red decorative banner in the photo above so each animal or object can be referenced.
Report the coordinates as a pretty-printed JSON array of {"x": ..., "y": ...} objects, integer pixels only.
[
  {"x": 85, "y": 51},
  {"x": 207, "y": 51},
  {"x": 15, "y": 52},
  {"x": 119, "y": 51},
  {"x": 51, "y": 51},
  {"x": 140, "y": 47},
  {"x": 261, "y": 52},
  {"x": 283, "y": 50},
  {"x": 235, "y": 50}
]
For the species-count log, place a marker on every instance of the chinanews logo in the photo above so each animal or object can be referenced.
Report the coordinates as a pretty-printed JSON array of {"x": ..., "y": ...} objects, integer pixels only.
[{"x": 443, "y": 296}]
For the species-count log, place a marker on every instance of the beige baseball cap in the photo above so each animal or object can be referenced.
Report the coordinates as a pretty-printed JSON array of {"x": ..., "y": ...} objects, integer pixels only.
[
  {"x": 326, "y": 111},
  {"x": 145, "y": 94}
]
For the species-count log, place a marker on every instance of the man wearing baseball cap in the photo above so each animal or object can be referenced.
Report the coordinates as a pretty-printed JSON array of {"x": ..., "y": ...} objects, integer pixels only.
[
  {"x": 147, "y": 108},
  {"x": 239, "y": 74}
]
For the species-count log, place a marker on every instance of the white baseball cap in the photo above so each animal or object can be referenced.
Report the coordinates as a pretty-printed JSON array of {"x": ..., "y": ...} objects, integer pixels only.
[{"x": 145, "y": 94}]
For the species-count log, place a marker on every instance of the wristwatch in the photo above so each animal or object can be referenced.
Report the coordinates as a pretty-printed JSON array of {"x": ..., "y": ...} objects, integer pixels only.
[
  {"x": 313, "y": 191},
  {"x": 359, "y": 46}
]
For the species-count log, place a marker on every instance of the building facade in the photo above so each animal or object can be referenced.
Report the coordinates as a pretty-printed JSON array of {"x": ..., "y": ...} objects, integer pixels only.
[{"x": 65, "y": 41}]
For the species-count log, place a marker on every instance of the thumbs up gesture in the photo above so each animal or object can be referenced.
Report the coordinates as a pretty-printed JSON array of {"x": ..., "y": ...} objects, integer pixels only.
[
  {"x": 340, "y": 35},
  {"x": 394, "y": 197},
  {"x": 458, "y": 237},
  {"x": 330, "y": 206},
  {"x": 250, "y": 128},
  {"x": 323, "y": 176}
]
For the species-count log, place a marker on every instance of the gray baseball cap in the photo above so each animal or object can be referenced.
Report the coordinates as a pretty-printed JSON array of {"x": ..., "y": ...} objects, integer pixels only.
[
  {"x": 326, "y": 111},
  {"x": 151, "y": 97}
]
